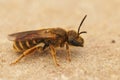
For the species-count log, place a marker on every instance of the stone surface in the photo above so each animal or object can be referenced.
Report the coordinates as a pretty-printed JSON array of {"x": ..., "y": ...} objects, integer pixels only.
[{"x": 98, "y": 60}]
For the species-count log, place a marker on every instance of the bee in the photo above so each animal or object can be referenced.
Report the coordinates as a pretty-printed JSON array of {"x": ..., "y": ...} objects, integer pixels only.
[{"x": 30, "y": 41}]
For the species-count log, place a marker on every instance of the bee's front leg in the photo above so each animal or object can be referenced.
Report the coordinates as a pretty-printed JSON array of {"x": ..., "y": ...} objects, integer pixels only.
[
  {"x": 68, "y": 52},
  {"x": 53, "y": 53}
]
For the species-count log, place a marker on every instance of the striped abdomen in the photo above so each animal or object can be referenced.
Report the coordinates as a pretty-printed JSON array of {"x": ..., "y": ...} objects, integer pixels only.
[{"x": 20, "y": 46}]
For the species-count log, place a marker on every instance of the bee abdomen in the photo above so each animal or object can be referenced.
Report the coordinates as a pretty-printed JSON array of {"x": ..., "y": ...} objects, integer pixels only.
[{"x": 20, "y": 46}]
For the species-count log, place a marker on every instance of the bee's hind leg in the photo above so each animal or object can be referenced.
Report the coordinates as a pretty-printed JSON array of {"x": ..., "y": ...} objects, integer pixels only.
[{"x": 28, "y": 51}]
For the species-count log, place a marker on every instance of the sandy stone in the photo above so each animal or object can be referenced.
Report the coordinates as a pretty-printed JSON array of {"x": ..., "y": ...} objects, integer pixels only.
[{"x": 99, "y": 59}]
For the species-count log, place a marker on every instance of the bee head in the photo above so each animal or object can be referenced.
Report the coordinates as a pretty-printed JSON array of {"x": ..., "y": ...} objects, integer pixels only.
[{"x": 74, "y": 37}]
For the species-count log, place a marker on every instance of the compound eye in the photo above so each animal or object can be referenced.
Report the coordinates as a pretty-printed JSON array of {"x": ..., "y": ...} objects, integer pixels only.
[{"x": 73, "y": 42}]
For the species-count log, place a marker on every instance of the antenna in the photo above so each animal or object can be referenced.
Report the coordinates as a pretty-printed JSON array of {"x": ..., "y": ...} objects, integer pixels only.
[{"x": 81, "y": 25}]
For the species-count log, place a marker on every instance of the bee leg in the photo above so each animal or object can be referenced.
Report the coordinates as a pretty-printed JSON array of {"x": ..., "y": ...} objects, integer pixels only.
[
  {"x": 40, "y": 49},
  {"x": 68, "y": 52},
  {"x": 24, "y": 54},
  {"x": 53, "y": 53}
]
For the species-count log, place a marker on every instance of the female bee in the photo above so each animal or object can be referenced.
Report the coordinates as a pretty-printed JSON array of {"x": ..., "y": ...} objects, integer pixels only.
[{"x": 29, "y": 41}]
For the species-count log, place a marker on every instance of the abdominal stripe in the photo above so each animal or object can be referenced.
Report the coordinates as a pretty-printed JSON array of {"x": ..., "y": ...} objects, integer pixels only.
[
  {"x": 20, "y": 46},
  {"x": 16, "y": 46}
]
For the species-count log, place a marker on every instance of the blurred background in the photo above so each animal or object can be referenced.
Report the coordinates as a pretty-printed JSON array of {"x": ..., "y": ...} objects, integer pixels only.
[{"x": 98, "y": 60}]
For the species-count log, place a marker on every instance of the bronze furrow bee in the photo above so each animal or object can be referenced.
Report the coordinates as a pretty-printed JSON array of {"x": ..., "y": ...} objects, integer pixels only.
[{"x": 30, "y": 41}]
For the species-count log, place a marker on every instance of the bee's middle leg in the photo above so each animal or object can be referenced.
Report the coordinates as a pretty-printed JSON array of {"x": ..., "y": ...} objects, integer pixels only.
[{"x": 53, "y": 53}]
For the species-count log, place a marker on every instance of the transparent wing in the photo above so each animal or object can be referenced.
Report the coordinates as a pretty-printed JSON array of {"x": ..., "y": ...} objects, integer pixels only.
[{"x": 34, "y": 34}]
